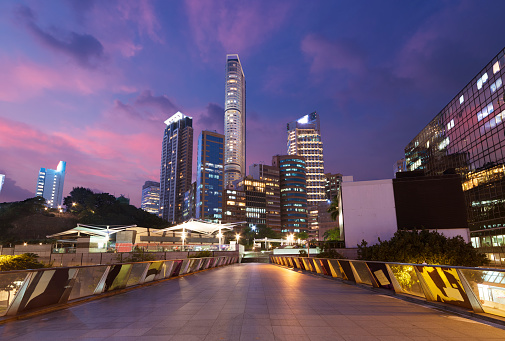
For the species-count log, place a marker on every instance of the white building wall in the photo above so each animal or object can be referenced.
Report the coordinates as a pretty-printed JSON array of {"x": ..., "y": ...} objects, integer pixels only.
[{"x": 368, "y": 211}]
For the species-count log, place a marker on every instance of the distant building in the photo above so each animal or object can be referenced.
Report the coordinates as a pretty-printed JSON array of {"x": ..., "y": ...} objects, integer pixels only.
[
  {"x": 188, "y": 206},
  {"x": 50, "y": 184},
  {"x": 209, "y": 176},
  {"x": 2, "y": 179},
  {"x": 293, "y": 189},
  {"x": 399, "y": 166},
  {"x": 270, "y": 175},
  {"x": 255, "y": 201},
  {"x": 377, "y": 209},
  {"x": 234, "y": 209},
  {"x": 176, "y": 166},
  {"x": 304, "y": 139},
  {"x": 467, "y": 136},
  {"x": 151, "y": 197},
  {"x": 234, "y": 122},
  {"x": 332, "y": 185}
]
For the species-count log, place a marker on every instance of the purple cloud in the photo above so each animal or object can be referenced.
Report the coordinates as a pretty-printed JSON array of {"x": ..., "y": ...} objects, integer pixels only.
[{"x": 12, "y": 192}]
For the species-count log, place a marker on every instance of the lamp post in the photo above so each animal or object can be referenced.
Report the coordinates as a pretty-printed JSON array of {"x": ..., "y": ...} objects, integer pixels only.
[
  {"x": 237, "y": 236},
  {"x": 219, "y": 235},
  {"x": 183, "y": 237}
]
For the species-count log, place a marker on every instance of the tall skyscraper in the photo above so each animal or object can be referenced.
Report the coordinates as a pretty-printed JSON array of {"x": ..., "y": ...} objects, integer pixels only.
[
  {"x": 467, "y": 137},
  {"x": 293, "y": 176},
  {"x": 50, "y": 184},
  {"x": 2, "y": 179},
  {"x": 234, "y": 122},
  {"x": 304, "y": 139},
  {"x": 176, "y": 166},
  {"x": 209, "y": 176},
  {"x": 151, "y": 197}
]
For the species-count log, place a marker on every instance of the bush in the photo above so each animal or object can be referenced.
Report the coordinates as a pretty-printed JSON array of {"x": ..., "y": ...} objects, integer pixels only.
[
  {"x": 137, "y": 255},
  {"x": 201, "y": 254},
  {"x": 330, "y": 253},
  {"x": 20, "y": 262},
  {"x": 423, "y": 247},
  {"x": 303, "y": 253}
]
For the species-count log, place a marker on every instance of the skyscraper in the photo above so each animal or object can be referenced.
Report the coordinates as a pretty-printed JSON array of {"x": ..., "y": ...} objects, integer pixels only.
[
  {"x": 176, "y": 166},
  {"x": 234, "y": 122},
  {"x": 2, "y": 179},
  {"x": 209, "y": 177},
  {"x": 151, "y": 197},
  {"x": 304, "y": 139},
  {"x": 50, "y": 184},
  {"x": 270, "y": 175}
]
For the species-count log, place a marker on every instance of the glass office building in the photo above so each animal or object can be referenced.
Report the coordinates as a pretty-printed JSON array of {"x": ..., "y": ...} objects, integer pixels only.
[
  {"x": 209, "y": 176},
  {"x": 151, "y": 197},
  {"x": 234, "y": 122},
  {"x": 50, "y": 184},
  {"x": 293, "y": 189},
  {"x": 176, "y": 166},
  {"x": 468, "y": 137}
]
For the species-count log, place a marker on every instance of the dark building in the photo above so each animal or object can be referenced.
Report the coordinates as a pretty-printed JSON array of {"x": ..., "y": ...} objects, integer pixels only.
[
  {"x": 176, "y": 166},
  {"x": 332, "y": 185},
  {"x": 468, "y": 136},
  {"x": 293, "y": 189},
  {"x": 234, "y": 209},
  {"x": 209, "y": 177},
  {"x": 189, "y": 203},
  {"x": 270, "y": 175},
  {"x": 255, "y": 201}
]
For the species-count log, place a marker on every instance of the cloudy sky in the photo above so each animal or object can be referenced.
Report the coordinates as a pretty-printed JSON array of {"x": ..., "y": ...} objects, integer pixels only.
[{"x": 91, "y": 82}]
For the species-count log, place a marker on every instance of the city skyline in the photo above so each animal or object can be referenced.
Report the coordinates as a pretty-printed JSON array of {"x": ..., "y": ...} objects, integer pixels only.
[{"x": 91, "y": 83}]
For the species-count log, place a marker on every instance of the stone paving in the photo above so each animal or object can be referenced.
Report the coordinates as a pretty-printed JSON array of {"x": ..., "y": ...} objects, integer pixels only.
[{"x": 249, "y": 302}]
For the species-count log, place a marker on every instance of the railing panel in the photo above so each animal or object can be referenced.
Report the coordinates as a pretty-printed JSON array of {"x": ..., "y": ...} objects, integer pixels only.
[
  {"x": 10, "y": 283},
  {"x": 445, "y": 285},
  {"x": 347, "y": 270},
  {"x": 335, "y": 268},
  {"x": 363, "y": 272},
  {"x": 46, "y": 287},
  {"x": 153, "y": 271},
  {"x": 117, "y": 277},
  {"x": 136, "y": 273},
  {"x": 177, "y": 268},
  {"x": 86, "y": 281},
  {"x": 407, "y": 279},
  {"x": 489, "y": 287},
  {"x": 381, "y": 275},
  {"x": 325, "y": 267}
]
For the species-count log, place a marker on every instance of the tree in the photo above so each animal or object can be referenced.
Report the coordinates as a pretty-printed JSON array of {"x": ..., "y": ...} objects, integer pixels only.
[
  {"x": 333, "y": 209},
  {"x": 333, "y": 234},
  {"x": 423, "y": 247},
  {"x": 20, "y": 262},
  {"x": 302, "y": 235}
]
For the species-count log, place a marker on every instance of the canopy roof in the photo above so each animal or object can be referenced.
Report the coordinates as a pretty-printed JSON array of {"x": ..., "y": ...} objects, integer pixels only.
[
  {"x": 88, "y": 230},
  {"x": 200, "y": 226}
]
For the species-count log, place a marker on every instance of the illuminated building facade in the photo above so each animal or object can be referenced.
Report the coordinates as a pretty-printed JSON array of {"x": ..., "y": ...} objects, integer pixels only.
[
  {"x": 234, "y": 122},
  {"x": 189, "y": 203},
  {"x": 255, "y": 202},
  {"x": 293, "y": 189},
  {"x": 209, "y": 176},
  {"x": 332, "y": 185},
  {"x": 2, "y": 179},
  {"x": 304, "y": 139},
  {"x": 151, "y": 197},
  {"x": 468, "y": 137},
  {"x": 270, "y": 175},
  {"x": 50, "y": 184},
  {"x": 176, "y": 166},
  {"x": 234, "y": 209}
]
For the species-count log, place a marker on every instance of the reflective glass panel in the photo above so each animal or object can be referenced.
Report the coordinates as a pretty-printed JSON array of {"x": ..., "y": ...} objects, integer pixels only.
[
  {"x": 407, "y": 278},
  {"x": 86, "y": 281},
  {"x": 9, "y": 286},
  {"x": 363, "y": 272},
  {"x": 136, "y": 273},
  {"x": 490, "y": 294}
]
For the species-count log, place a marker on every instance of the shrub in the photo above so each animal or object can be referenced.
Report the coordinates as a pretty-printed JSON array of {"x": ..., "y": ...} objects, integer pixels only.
[{"x": 20, "y": 262}]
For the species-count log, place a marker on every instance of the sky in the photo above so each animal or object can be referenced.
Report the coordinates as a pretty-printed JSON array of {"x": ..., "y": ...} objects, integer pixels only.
[{"x": 91, "y": 82}]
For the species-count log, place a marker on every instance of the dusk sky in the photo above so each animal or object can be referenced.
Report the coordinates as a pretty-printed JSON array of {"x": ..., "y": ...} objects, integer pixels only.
[{"x": 91, "y": 82}]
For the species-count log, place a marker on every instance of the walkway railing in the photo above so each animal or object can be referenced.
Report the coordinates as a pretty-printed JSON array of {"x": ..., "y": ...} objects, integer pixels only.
[
  {"x": 476, "y": 289},
  {"x": 28, "y": 290}
]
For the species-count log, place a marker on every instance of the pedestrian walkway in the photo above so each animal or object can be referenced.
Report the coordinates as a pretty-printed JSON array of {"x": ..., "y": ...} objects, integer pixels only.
[{"x": 249, "y": 302}]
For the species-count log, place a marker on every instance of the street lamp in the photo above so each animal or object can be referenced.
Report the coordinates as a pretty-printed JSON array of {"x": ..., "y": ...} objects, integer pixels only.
[
  {"x": 237, "y": 236},
  {"x": 219, "y": 235},
  {"x": 183, "y": 237}
]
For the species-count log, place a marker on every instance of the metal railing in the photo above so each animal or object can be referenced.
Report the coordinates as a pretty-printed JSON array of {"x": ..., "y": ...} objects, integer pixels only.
[
  {"x": 480, "y": 290},
  {"x": 24, "y": 291}
]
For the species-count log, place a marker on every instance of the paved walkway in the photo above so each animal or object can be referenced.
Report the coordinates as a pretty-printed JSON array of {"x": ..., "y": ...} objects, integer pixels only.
[{"x": 249, "y": 302}]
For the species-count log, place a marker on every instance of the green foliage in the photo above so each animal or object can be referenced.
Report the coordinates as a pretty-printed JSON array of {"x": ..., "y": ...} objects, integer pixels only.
[
  {"x": 333, "y": 209},
  {"x": 333, "y": 234},
  {"x": 105, "y": 209},
  {"x": 423, "y": 247},
  {"x": 20, "y": 262},
  {"x": 303, "y": 253},
  {"x": 301, "y": 235},
  {"x": 248, "y": 235},
  {"x": 330, "y": 253},
  {"x": 201, "y": 254},
  {"x": 11, "y": 211},
  {"x": 137, "y": 255}
]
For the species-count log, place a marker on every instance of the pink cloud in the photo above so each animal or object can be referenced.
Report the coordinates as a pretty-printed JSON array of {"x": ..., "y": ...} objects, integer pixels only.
[
  {"x": 22, "y": 79},
  {"x": 236, "y": 26}
]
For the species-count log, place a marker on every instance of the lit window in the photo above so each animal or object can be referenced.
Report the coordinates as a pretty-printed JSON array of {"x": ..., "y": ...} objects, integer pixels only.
[
  {"x": 450, "y": 125},
  {"x": 496, "y": 67},
  {"x": 461, "y": 99}
]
